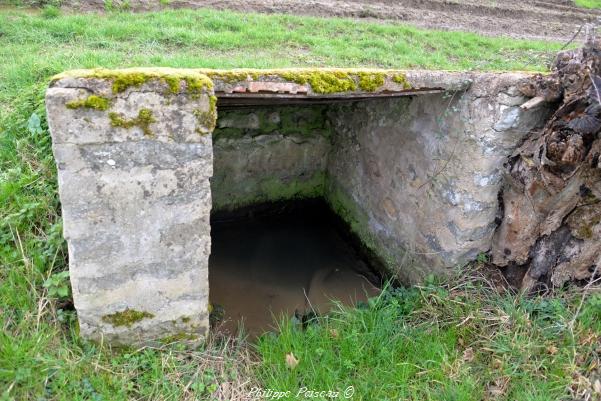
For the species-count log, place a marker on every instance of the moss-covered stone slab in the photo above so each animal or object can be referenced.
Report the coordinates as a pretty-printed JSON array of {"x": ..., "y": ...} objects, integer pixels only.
[{"x": 333, "y": 81}]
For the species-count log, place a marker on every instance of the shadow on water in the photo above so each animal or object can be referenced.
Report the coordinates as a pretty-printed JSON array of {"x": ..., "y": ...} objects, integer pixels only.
[{"x": 285, "y": 258}]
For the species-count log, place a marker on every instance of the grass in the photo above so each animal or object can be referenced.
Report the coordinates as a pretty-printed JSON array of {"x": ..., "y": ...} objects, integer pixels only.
[
  {"x": 588, "y": 3},
  {"x": 409, "y": 343},
  {"x": 462, "y": 342}
]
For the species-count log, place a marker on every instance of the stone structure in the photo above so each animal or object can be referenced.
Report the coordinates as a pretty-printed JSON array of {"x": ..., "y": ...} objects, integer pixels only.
[
  {"x": 411, "y": 160},
  {"x": 134, "y": 162}
]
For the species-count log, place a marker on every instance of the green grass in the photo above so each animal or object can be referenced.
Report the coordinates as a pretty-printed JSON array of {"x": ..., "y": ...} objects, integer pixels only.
[
  {"x": 407, "y": 344},
  {"x": 437, "y": 343},
  {"x": 588, "y": 3}
]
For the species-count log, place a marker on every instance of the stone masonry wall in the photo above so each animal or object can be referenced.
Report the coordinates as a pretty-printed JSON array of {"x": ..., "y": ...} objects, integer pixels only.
[
  {"x": 269, "y": 153},
  {"x": 418, "y": 178},
  {"x": 134, "y": 158}
]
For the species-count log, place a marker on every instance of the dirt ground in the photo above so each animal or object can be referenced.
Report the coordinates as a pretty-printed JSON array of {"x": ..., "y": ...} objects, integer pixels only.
[{"x": 555, "y": 20}]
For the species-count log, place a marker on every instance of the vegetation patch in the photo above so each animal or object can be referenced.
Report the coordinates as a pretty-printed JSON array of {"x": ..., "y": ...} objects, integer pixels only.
[
  {"x": 91, "y": 102},
  {"x": 179, "y": 337},
  {"x": 127, "y": 318},
  {"x": 143, "y": 121},
  {"x": 588, "y": 3}
]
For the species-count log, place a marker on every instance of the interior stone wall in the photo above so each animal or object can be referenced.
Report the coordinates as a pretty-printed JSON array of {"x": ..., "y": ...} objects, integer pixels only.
[{"x": 267, "y": 153}]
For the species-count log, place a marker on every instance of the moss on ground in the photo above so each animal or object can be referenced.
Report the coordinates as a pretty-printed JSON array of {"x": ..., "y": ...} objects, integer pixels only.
[{"x": 127, "y": 318}]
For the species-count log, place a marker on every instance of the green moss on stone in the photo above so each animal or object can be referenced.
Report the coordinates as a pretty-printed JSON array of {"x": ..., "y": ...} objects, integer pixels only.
[
  {"x": 124, "y": 81},
  {"x": 143, "y": 120},
  {"x": 91, "y": 102},
  {"x": 323, "y": 82},
  {"x": 207, "y": 119},
  {"x": 348, "y": 210},
  {"x": 128, "y": 317},
  {"x": 126, "y": 78},
  {"x": 401, "y": 79},
  {"x": 371, "y": 81}
]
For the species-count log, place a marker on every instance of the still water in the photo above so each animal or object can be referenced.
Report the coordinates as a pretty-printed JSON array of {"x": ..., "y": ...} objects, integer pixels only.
[{"x": 289, "y": 259}]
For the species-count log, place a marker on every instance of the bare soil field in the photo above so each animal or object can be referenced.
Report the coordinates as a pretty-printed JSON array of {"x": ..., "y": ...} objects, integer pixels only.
[{"x": 555, "y": 20}]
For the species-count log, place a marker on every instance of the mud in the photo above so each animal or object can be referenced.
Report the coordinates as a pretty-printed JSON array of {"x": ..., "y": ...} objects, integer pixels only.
[
  {"x": 289, "y": 261},
  {"x": 556, "y": 20}
]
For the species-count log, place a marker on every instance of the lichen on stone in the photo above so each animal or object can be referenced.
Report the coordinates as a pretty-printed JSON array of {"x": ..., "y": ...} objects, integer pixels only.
[
  {"x": 91, "y": 102},
  {"x": 143, "y": 121},
  {"x": 127, "y": 318},
  {"x": 583, "y": 220}
]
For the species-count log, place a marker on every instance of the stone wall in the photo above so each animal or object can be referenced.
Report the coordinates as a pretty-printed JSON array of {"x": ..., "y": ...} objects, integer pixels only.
[
  {"x": 418, "y": 178},
  {"x": 269, "y": 153},
  {"x": 134, "y": 161}
]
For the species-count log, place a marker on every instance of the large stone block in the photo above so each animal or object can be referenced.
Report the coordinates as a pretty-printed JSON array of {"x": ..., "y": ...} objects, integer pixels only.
[{"x": 134, "y": 161}]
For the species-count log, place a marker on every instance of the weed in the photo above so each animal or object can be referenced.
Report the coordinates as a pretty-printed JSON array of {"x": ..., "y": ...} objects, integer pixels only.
[
  {"x": 588, "y": 3},
  {"x": 58, "y": 285}
]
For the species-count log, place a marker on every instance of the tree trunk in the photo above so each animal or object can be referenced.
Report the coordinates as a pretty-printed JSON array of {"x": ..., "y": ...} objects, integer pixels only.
[{"x": 552, "y": 193}]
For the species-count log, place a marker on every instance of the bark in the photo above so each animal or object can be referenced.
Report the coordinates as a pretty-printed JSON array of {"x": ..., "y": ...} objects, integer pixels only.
[{"x": 552, "y": 193}]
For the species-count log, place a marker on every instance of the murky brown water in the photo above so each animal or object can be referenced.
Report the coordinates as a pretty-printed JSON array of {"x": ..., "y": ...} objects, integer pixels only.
[{"x": 292, "y": 261}]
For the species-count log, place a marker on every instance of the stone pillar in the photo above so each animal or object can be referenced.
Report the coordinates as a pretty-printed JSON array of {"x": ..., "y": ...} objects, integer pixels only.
[{"x": 134, "y": 156}]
